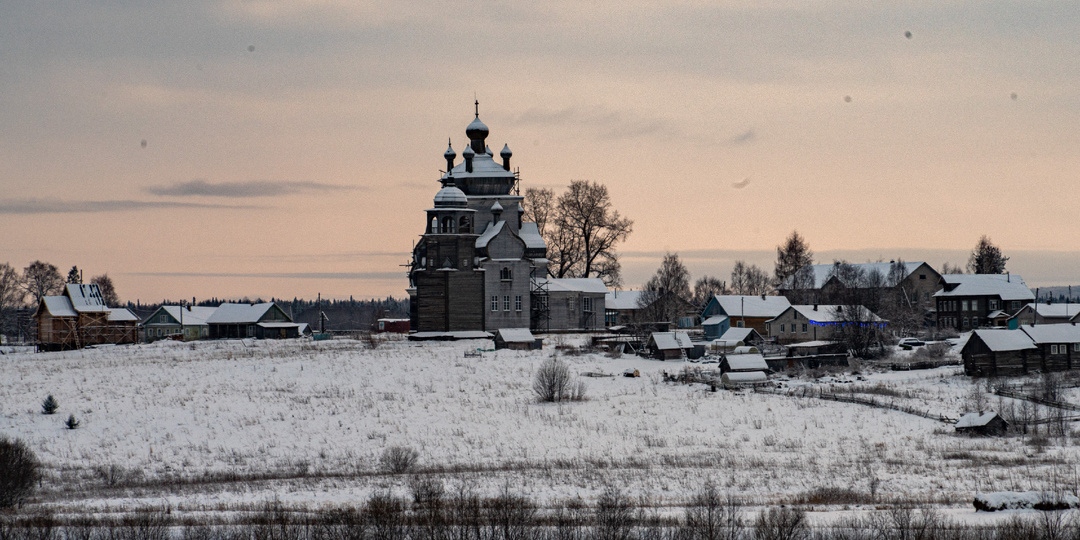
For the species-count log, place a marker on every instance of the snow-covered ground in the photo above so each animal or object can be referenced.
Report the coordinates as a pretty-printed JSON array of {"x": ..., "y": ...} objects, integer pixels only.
[{"x": 217, "y": 426}]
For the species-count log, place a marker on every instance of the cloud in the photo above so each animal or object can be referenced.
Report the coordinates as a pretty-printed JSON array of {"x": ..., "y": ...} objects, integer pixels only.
[
  {"x": 743, "y": 138},
  {"x": 49, "y": 206},
  {"x": 258, "y": 188},
  {"x": 739, "y": 185},
  {"x": 622, "y": 125},
  {"x": 279, "y": 275}
]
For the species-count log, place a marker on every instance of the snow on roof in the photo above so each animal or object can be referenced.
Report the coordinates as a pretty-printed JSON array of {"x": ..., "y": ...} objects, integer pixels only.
[
  {"x": 810, "y": 344},
  {"x": 278, "y": 324},
  {"x": 490, "y": 232},
  {"x": 746, "y": 362},
  {"x": 715, "y": 319},
  {"x": 483, "y": 166},
  {"x": 59, "y": 306},
  {"x": 586, "y": 285},
  {"x": 622, "y": 299},
  {"x": 1008, "y": 287},
  {"x": 975, "y": 419},
  {"x": 122, "y": 315},
  {"x": 738, "y": 334},
  {"x": 744, "y": 377},
  {"x": 238, "y": 313},
  {"x": 86, "y": 298},
  {"x": 996, "y": 313},
  {"x": 672, "y": 340},
  {"x": 1052, "y": 333},
  {"x": 193, "y": 315},
  {"x": 752, "y": 306},
  {"x": 450, "y": 196},
  {"x": 1004, "y": 340},
  {"x": 1057, "y": 311},
  {"x": 822, "y": 272},
  {"x": 461, "y": 334},
  {"x": 516, "y": 335},
  {"x": 531, "y": 235},
  {"x": 828, "y": 313}
]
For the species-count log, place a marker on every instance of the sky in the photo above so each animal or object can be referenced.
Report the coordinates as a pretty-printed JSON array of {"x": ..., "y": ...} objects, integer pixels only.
[{"x": 279, "y": 149}]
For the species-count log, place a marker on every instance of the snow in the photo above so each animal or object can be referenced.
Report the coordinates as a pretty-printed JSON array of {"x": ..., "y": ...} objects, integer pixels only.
[
  {"x": 752, "y": 306},
  {"x": 312, "y": 419},
  {"x": 744, "y": 377},
  {"x": 1052, "y": 333},
  {"x": 714, "y": 320},
  {"x": 585, "y": 285},
  {"x": 746, "y": 362},
  {"x": 1058, "y": 311},
  {"x": 122, "y": 314},
  {"x": 1008, "y": 287},
  {"x": 530, "y": 234},
  {"x": 490, "y": 232},
  {"x": 516, "y": 335},
  {"x": 827, "y": 313},
  {"x": 671, "y": 340},
  {"x": 975, "y": 419},
  {"x": 238, "y": 313},
  {"x": 1004, "y": 340},
  {"x": 59, "y": 306},
  {"x": 192, "y": 315},
  {"x": 86, "y": 298},
  {"x": 622, "y": 300},
  {"x": 737, "y": 334}
]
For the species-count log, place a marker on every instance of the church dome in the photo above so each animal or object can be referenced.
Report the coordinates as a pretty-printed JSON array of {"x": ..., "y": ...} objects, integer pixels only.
[
  {"x": 476, "y": 130},
  {"x": 450, "y": 197}
]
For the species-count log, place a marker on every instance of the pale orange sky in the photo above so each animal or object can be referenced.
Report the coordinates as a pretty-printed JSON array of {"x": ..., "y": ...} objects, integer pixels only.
[{"x": 291, "y": 147}]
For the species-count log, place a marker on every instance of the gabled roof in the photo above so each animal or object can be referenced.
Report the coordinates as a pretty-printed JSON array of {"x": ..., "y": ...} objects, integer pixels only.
[
  {"x": 822, "y": 272},
  {"x": 622, "y": 299},
  {"x": 1005, "y": 286},
  {"x": 671, "y": 340},
  {"x": 739, "y": 334},
  {"x": 715, "y": 319},
  {"x": 59, "y": 306},
  {"x": 122, "y": 315},
  {"x": 828, "y": 313},
  {"x": 239, "y": 313},
  {"x": 531, "y": 235},
  {"x": 193, "y": 315},
  {"x": 1053, "y": 311},
  {"x": 975, "y": 419},
  {"x": 492, "y": 230},
  {"x": 751, "y": 306},
  {"x": 515, "y": 335},
  {"x": 86, "y": 298},
  {"x": 746, "y": 362},
  {"x": 587, "y": 285},
  {"x": 1052, "y": 333},
  {"x": 1003, "y": 340}
]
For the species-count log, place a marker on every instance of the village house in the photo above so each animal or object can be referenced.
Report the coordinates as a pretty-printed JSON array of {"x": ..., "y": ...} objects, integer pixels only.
[
  {"x": 737, "y": 337},
  {"x": 998, "y": 352},
  {"x": 987, "y": 423},
  {"x": 910, "y": 284},
  {"x": 1035, "y": 313},
  {"x": 800, "y": 323},
  {"x": 669, "y": 345},
  {"x": 621, "y": 308},
  {"x": 185, "y": 322},
  {"x": 737, "y": 311},
  {"x": 261, "y": 321},
  {"x": 79, "y": 318},
  {"x": 516, "y": 339},
  {"x": 970, "y": 301},
  {"x": 570, "y": 304}
]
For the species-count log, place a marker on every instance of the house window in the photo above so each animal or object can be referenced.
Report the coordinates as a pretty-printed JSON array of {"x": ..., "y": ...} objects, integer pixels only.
[
  {"x": 494, "y": 303},
  {"x": 964, "y": 305},
  {"x": 517, "y": 303},
  {"x": 739, "y": 324},
  {"x": 1076, "y": 347},
  {"x": 926, "y": 296},
  {"x": 506, "y": 274},
  {"x": 586, "y": 304},
  {"x": 506, "y": 303},
  {"x": 781, "y": 329},
  {"x": 1053, "y": 349},
  {"x": 965, "y": 322},
  {"x": 993, "y": 304},
  {"x": 974, "y": 305},
  {"x": 922, "y": 276},
  {"x": 804, "y": 328}
]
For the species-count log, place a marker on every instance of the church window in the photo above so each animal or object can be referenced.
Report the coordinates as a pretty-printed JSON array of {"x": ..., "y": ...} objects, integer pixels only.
[
  {"x": 506, "y": 303},
  {"x": 434, "y": 225},
  {"x": 586, "y": 304},
  {"x": 463, "y": 224},
  {"x": 506, "y": 274},
  {"x": 448, "y": 225},
  {"x": 517, "y": 303},
  {"x": 494, "y": 303}
]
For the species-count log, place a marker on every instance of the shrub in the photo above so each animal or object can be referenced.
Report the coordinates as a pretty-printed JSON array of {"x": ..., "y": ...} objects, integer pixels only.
[
  {"x": 399, "y": 459},
  {"x": 553, "y": 383},
  {"x": 71, "y": 422},
  {"x": 781, "y": 523},
  {"x": 50, "y": 405},
  {"x": 19, "y": 472}
]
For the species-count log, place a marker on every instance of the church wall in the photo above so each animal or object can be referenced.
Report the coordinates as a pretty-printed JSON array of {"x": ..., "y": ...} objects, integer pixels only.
[{"x": 503, "y": 289}]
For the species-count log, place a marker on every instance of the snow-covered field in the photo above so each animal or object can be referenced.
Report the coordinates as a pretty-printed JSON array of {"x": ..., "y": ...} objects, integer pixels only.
[{"x": 217, "y": 426}]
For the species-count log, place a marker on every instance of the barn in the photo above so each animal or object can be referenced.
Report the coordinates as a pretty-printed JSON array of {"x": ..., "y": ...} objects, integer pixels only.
[
  {"x": 993, "y": 353},
  {"x": 982, "y": 423},
  {"x": 741, "y": 363},
  {"x": 670, "y": 345},
  {"x": 516, "y": 339}
]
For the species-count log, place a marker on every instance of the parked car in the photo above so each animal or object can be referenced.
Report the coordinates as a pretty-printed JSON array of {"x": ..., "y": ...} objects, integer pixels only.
[{"x": 911, "y": 342}]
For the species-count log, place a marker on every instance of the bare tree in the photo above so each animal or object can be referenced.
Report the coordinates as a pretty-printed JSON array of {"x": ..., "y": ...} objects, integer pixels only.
[
  {"x": 948, "y": 268},
  {"x": 539, "y": 203},
  {"x": 749, "y": 279},
  {"x": 42, "y": 279},
  {"x": 792, "y": 255},
  {"x": 667, "y": 292},
  {"x": 705, "y": 288},
  {"x": 859, "y": 330},
  {"x": 11, "y": 292},
  {"x": 592, "y": 229},
  {"x": 986, "y": 258},
  {"x": 108, "y": 290}
]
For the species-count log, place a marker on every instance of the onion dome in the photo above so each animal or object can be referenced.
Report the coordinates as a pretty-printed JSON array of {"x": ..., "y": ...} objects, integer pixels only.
[
  {"x": 506, "y": 153},
  {"x": 451, "y": 197},
  {"x": 476, "y": 130},
  {"x": 449, "y": 153},
  {"x": 468, "y": 153}
]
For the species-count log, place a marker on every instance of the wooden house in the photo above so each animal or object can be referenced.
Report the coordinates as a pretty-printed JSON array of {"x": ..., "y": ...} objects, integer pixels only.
[
  {"x": 969, "y": 301},
  {"x": 1035, "y": 313},
  {"x": 669, "y": 345},
  {"x": 910, "y": 284},
  {"x": 998, "y": 352},
  {"x": 261, "y": 321},
  {"x": 982, "y": 423},
  {"x": 177, "y": 322},
  {"x": 571, "y": 304},
  {"x": 741, "y": 312},
  {"x": 516, "y": 339},
  {"x": 1058, "y": 345},
  {"x": 79, "y": 318},
  {"x": 799, "y": 323},
  {"x": 622, "y": 308}
]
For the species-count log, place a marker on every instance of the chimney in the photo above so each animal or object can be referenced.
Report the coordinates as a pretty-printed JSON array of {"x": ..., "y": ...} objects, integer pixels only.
[{"x": 815, "y": 307}]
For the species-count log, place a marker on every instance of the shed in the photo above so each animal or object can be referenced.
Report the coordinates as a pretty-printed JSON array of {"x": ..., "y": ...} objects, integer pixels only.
[
  {"x": 395, "y": 326},
  {"x": 748, "y": 336},
  {"x": 982, "y": 423},
  {"x": 745, "y": 378},
  {"x": 741, "y": 363},
  {"x": 999, "y": 352},
  {"x": 517, "y": 339},
  {"x": 669, "y": 345}
]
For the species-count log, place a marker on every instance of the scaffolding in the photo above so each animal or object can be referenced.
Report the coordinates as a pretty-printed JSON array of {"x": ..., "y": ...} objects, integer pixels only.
[{"x": 540, "y": 316}]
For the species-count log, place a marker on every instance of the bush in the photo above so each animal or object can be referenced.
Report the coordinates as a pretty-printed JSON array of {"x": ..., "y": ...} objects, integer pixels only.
[
  {"x": 71, "y": 422},
  {"x": 19, "y": 472},
  {"x": 781, "y": 524},
  {"x": 553, "y": 383},
  {"x": 399, "y": 459},
  {"x": 50, "y": 405}
]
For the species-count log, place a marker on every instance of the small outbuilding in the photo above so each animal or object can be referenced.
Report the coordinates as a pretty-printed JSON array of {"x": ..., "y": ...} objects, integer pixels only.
[
  {"x": 393, "y": 326},
  {"x": 743, "y": 363},
  {"x": 982, "y": 423},
  {"x": 744, "y": 379},
  {"x": 670, "y": 345},
  {"x": 517, "y": 339}
]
